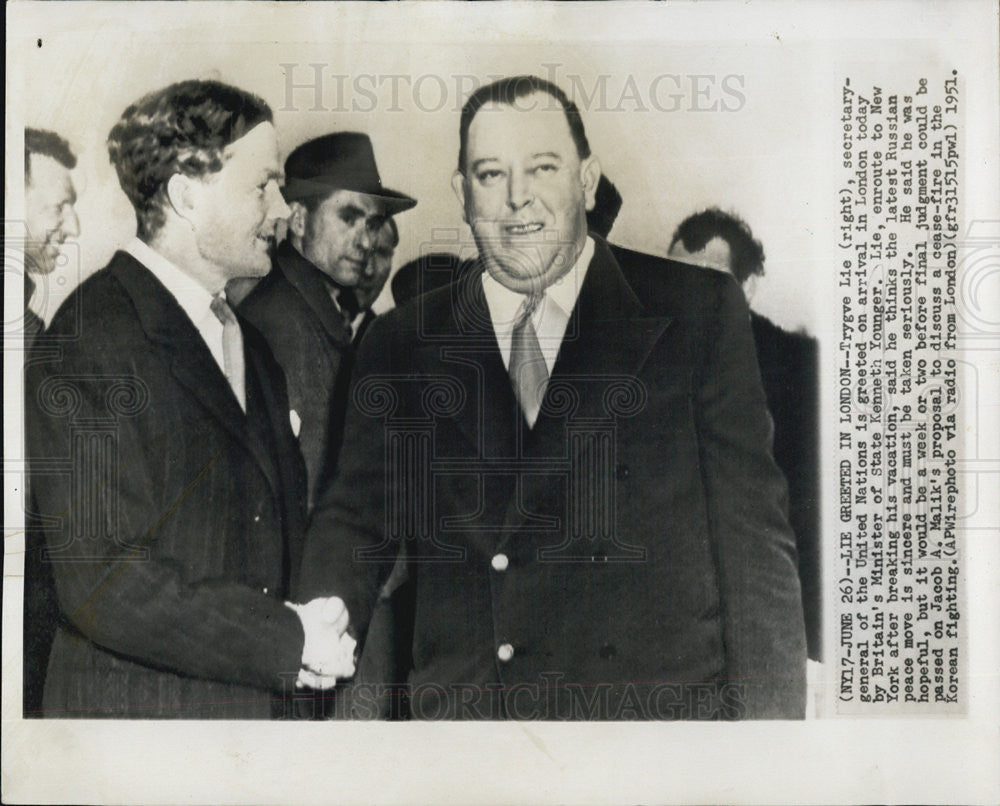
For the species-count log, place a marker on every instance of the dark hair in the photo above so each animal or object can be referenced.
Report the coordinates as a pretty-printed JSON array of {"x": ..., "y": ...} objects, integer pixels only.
[
  {"x": 607, "y": 203},
  {"x": 746, "y": 255},
  {"x": 424, "y": 274},
  {"x": 184, "y": 129},
  {"x": 48, "y": 144},
  {"x": 507, "y": 91}
]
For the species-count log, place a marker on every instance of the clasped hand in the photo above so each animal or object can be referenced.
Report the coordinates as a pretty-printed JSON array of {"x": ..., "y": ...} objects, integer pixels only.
[{"x": 328, "y": 650}]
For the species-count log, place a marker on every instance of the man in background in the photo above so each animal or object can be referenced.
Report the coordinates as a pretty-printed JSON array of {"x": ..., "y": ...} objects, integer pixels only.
[
  {"x": 788, "y": 367},
  {"x": 50, "y": 216},
  {"x": 307, "y": 305},
  {"x": 374, "y": 277},
  {"x": 50, "y": 219}
]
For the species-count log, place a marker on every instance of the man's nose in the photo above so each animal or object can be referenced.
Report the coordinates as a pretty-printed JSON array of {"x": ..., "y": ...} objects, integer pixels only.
[
  {"x": 518, "y": 190},
  {"x": 277, "y": 208},
  {"x": 70, "y": 224},
  {"x": 366, "y": 238}
]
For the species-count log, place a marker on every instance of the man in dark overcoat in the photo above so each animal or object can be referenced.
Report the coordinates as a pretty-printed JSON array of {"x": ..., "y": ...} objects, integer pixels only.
[
  {"x": 789, "y": 369},
  {"x": 50, "y": 221}
]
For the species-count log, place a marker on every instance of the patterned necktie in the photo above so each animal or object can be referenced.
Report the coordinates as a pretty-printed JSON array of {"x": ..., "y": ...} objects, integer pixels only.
[
  {"x": 527, "y": 369},
  {"x": 232, "y": 348}
]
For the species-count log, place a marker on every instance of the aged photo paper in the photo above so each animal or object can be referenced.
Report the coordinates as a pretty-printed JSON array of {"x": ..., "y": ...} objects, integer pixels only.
[{"x": 859, "y": 143}]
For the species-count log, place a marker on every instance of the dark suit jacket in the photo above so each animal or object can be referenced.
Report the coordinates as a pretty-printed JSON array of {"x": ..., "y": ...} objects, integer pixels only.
[
  {"x": 364, "y": 324},
  {"x": 647, "y": 559},
  {"x": 788, "y": 368},
  {"x": 172, "y": 519},
  {"x": 32, "y": 324},
  {"x": 41, "y": 611},
  {"x": 312, "y": 343}
]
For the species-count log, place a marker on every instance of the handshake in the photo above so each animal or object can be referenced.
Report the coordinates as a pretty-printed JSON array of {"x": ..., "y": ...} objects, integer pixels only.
[{"x": 328, "y": 651}]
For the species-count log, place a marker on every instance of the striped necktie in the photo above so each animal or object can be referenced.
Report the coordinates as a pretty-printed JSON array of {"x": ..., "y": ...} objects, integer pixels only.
[
  {"x": 232, "y": 348},
  {"x": 528, "y": 371}
]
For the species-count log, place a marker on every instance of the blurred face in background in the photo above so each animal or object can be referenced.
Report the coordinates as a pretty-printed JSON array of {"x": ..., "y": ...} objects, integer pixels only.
[
  {"x": 379, "y": 266},
  {"x": 714, "y": 255},
  {"x": 49, "y": 199}
]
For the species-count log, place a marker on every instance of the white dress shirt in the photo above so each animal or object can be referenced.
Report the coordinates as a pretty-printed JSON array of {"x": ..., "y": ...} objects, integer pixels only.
[
  {"x": 195, "y": 300},
  {"x": 356, "y": 322},
  {"x": 550, "y": 317}
]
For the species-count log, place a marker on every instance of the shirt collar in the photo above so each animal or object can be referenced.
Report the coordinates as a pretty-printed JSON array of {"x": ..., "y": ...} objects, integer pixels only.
[
  {"x": 504, "y": 304},
  {"x": 564, "y": 291},
  {"x": 192, "y": 296},
  {"x": 344, "y": 297}
]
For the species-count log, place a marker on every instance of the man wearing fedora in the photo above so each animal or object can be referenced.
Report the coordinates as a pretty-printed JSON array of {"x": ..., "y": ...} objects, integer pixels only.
[{"x": 306, "y": 305}]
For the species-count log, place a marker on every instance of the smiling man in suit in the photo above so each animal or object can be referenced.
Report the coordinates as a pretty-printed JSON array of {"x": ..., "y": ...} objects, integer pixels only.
[
  {"x": 164, "y": 467},
  {"x": 574, "y": 451}
]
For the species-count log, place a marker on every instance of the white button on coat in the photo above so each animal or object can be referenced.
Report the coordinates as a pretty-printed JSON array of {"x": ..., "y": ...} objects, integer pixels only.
[
  {"x": 500, "y": 562},
  {"x": 505, "y": 652}
]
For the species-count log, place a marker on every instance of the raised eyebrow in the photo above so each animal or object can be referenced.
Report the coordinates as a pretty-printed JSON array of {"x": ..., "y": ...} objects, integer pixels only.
[{"x": 549, "y": 154}]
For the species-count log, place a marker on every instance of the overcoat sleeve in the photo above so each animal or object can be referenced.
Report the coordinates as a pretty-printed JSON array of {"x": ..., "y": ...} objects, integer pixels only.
[
  {"x": 747, "y": 513},
  {"x": 348, "y": 552}
]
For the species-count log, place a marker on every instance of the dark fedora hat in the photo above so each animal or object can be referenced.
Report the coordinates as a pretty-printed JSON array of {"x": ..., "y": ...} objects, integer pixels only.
[{"x": 339, "y": 161}]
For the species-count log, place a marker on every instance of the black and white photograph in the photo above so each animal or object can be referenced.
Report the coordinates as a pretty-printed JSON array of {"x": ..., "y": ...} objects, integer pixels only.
[{"x": 479, "y": 402}]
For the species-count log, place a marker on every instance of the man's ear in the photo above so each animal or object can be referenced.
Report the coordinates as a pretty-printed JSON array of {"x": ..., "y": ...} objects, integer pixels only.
[
  {"x": 297, "y": 220},
  {"x": 590, "y": 175},
  {"x": 458, "y": 185},
  {"x": 181, "y": 194}
]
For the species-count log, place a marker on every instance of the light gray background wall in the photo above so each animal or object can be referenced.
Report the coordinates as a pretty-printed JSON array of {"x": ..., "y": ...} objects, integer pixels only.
[{"x": 657, "y": 136}]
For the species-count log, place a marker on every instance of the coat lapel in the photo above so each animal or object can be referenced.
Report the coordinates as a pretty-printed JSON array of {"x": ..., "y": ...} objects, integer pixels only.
[
  {"x": 191, "y": 362},
  {"x": 314, "y": 289},
  {"x": 468, "y": 346},
  {"x": 608, "y": 333},
  {"x": 608, "y": 340}
]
